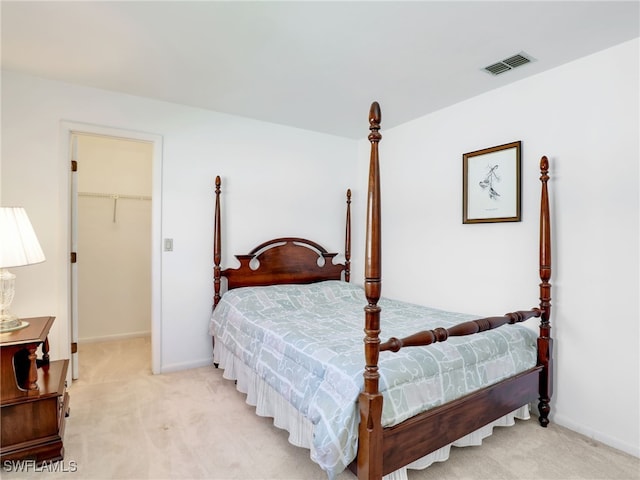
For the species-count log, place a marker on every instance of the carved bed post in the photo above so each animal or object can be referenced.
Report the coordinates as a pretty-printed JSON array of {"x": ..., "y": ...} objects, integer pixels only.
[
  {"x": 217, "y": 247},
  {"x": 370, "y": 401},
  {"x": 545, "y": 342},
  {"x": 347, "y": 241}
]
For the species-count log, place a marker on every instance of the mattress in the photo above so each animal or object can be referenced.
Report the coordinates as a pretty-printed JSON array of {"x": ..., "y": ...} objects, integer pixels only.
[{"x": 304, "y": 342}]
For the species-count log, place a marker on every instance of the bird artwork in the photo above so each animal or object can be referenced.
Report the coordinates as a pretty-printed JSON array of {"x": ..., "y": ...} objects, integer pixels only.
[{"x": 487, "y": 182}]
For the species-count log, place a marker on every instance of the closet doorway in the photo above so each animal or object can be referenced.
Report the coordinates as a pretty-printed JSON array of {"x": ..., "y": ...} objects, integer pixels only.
[{"x": 112, "y": 227}]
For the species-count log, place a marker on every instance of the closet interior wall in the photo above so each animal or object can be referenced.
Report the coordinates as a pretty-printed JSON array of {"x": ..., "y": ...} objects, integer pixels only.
[{"x": 114, "y": 238}]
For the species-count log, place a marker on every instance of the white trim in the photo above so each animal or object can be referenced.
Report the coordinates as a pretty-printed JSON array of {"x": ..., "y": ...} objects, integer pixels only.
[
  {"x": 177, "y": 367},
  {"x": 111, "y": 338},
  {"x": 69, "y": 127},
  {"x": 613, "y": 442}
]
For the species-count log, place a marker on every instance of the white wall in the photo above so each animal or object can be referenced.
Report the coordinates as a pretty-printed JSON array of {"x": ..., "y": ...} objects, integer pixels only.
[
  {"x": 277, "y": 181},
  {"x": 584, "y": 117}
]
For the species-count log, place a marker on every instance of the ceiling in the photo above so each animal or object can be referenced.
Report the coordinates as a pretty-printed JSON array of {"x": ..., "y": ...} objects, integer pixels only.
[{"x": 311, "y": 65}]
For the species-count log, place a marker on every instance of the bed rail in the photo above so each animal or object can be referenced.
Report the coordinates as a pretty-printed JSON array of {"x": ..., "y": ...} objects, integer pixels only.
[{"x": 427, "y": 337}]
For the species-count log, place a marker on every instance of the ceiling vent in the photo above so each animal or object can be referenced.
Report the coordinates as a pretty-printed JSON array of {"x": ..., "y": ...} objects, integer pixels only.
[{"x": 508, "y": 63}]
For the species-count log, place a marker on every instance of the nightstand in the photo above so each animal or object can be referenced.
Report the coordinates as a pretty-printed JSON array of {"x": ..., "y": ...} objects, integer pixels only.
[{"x": 33, "y": 399}]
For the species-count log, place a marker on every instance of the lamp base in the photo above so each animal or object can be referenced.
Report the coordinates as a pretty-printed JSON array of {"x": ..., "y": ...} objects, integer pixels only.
[
  {"x": 12, "y": 325},
  {"x": 8, "y": 321},
  {"x": 7, "y": 317}
]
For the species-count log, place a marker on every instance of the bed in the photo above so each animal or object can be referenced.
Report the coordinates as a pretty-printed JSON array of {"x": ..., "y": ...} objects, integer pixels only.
[{"x": 288, "y": 330}]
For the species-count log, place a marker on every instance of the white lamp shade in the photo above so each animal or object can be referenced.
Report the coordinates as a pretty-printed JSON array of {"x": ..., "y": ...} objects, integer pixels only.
[{"x": 18, "y": 242}]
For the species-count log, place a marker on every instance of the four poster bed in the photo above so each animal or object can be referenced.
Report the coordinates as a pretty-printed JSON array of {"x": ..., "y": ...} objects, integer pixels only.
[{"x": 288, "y": 330}]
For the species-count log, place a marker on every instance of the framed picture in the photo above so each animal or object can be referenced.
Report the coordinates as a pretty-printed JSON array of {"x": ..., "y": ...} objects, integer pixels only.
[{"x": 491, "y": 184}]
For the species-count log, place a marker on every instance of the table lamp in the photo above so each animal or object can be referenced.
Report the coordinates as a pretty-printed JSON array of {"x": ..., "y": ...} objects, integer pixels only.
[{"x": 18, "y": 246}]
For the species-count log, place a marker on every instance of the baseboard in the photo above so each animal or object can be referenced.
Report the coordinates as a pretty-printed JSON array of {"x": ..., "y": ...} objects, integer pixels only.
[
  {"x": 110, "y": 338},
  {"x": 176, "y": 367},
  {"x": 598, "y": 436}
]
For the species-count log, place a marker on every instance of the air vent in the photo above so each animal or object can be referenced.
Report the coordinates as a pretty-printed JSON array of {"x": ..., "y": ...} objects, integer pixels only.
[
  {"x": 498, "y": 68},
  {"x": 508, "y": 64}
]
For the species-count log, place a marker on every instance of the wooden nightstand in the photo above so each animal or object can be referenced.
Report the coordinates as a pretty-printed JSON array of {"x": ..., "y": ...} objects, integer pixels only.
[{"x": 33, "y": 398}]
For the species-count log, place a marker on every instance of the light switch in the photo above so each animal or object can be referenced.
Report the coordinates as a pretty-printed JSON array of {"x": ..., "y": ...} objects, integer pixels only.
[{"x": 168, "y": 244}]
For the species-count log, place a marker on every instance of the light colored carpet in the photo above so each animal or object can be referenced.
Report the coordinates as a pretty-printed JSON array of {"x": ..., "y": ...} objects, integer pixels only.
[{"x": 126, "y": 423}]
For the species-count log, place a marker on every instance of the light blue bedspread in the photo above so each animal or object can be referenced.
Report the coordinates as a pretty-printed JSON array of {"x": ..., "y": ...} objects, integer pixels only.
[{"x": 306, "y": 342}]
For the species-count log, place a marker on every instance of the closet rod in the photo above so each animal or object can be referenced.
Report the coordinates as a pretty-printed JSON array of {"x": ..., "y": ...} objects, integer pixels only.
[{"x": 114, "y": 196}]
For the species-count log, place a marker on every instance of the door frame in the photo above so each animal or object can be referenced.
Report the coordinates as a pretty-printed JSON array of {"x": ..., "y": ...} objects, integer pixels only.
[{"x": 68, "y": 128}]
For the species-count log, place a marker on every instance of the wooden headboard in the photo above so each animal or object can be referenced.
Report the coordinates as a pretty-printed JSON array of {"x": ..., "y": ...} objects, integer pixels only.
[{"x": 285, "y": 260}]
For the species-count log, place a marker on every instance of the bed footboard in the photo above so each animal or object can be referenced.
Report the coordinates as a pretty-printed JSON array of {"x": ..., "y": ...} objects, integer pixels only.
[{"x": 384, "y": 450}]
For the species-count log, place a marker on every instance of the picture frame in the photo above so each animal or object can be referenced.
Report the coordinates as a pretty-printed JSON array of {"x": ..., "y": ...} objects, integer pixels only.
[{"x": 491, "y": 184}]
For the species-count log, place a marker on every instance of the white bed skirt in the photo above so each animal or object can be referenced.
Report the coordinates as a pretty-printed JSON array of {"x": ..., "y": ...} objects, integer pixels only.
[{"x": 269, "y": 403}]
